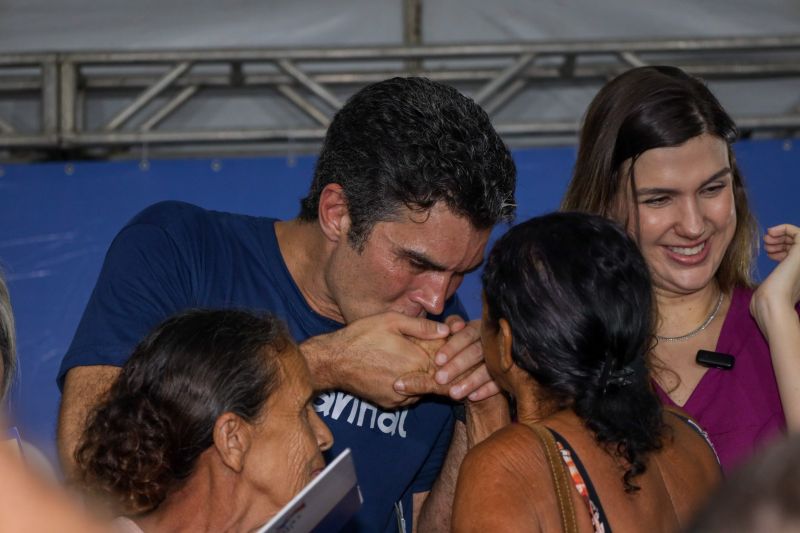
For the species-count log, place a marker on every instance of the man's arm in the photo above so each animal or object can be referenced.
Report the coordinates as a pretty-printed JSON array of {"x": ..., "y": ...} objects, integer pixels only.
[
  {"x": 84, "y": 388},
  {"x": 433, "y": 510}
]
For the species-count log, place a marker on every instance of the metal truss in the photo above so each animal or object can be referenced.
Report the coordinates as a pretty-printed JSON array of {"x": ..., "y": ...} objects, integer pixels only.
[{"x": 155, "y": 85}]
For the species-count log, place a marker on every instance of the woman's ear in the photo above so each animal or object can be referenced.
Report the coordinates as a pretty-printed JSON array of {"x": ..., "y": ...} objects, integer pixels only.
[
  {"x": 333, "y": 214},
  {"x": 232, "y": 440},
  {"x": 505, "y": 341}
]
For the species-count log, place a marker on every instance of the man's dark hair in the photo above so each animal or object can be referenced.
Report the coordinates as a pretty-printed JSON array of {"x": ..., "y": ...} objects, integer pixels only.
[{"x": 412, "y": 142}]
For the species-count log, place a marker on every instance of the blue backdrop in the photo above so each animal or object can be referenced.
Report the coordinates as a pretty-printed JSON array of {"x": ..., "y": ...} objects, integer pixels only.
[{"x": 57, "y": 220}]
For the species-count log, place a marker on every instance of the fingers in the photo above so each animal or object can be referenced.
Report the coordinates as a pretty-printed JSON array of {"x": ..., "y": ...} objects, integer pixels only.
[
  {"x": 783, "y": 230},
  {"x": 468, "y": 357},
  {"x": 477, "y": 385},
  {"x": 431, "y": 346},
  {"x": 456, "y": 323},
  {"x": 458, "y": 342},
  {"x": 487, "y": 390},
  {"x": 418, "y": 384},
  {"x": 420, "y": 328},
  {"x": 472, "y": 383},
  {"x": 779, "y": 240}
]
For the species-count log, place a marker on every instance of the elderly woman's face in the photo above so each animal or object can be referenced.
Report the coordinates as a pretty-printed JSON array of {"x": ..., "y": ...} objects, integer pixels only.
[
  {"x": 287, "y": 442},
  {"x": 686, "y": 212}
]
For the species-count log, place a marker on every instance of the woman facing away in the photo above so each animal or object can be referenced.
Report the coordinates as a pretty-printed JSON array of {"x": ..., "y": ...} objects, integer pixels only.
[
  {"x": 655, "y": 155},
  {"x": 209, "y": 427},
  {"x": 567, "y": 323}
]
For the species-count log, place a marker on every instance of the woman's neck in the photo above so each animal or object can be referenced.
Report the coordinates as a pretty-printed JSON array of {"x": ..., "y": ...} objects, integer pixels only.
[
  {"x": 531, "y": 407},
  {"x": 206, "y": 502},
  {"x": 679, "y": 314}
]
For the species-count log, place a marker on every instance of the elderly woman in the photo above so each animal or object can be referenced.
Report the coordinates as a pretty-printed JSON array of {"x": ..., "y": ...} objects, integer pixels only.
[
  {"x": 566, "y": 327},
  {"x": 655, "y": 154},
  {"x": 209, "y": 427}
]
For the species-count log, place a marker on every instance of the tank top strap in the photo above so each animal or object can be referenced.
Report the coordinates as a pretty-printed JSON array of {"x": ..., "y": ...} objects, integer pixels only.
[
  {"x": 689, "y": 421},
  {"x": 583, "y": 484}
]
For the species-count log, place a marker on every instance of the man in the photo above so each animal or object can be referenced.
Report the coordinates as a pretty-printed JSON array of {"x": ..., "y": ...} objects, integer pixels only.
[{"x": 409, "y": 183}]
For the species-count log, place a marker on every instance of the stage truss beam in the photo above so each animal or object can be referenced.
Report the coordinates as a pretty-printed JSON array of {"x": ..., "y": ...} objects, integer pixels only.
[{"x": 314, "y": 79}]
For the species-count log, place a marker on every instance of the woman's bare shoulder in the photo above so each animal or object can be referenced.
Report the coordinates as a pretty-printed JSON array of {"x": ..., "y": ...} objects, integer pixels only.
[
  {"x": 499, "y": 483},
  {"x": 688, "y": 464},
  {"x": 514, "y": 448}
]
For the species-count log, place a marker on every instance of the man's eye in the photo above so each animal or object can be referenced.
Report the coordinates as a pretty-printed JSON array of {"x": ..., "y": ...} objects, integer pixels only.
[{"x": 416, "y": 265}]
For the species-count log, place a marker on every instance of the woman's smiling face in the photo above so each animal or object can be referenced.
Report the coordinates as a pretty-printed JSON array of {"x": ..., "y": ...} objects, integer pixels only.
[{"x": 686, "y": 212}]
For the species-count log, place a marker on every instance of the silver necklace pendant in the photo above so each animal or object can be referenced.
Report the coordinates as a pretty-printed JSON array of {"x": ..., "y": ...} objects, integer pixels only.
[{"x": 702, "y": 326}]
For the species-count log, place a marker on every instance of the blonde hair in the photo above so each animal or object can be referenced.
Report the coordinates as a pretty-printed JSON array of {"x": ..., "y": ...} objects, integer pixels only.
[{"x": 8, "y": 352}]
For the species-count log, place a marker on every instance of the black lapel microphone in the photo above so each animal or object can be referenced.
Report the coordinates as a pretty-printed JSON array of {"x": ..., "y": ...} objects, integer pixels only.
[{"x": 720, "y": 360}]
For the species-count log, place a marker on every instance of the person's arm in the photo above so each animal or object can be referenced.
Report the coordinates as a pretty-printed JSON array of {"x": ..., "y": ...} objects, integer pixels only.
[
  {"x": 773, "y": 307},
  {"x": 433, "y": 510},
  {"x": 84, "y": 387}
]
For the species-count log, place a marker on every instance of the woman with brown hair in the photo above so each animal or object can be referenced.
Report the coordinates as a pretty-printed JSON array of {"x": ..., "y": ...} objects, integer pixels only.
[{"x": 655, "y": 155}]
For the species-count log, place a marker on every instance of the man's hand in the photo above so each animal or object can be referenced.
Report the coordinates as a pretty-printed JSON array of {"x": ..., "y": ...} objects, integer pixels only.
[
  {"x": 460, "y": 370},
  {"x": 367, "y": 356}
]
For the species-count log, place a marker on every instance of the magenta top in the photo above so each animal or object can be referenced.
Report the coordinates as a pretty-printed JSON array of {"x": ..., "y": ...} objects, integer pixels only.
[{"x": 739, "y": 408}]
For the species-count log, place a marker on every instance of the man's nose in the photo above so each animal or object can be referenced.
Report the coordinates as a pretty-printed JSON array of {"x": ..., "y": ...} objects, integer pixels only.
[{"x": 432, "y": 292}]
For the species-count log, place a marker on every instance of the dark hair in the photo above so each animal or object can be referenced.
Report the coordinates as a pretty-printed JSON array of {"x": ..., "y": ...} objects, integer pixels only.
[
  {"x": 761, "y": 496},
  {"x": 8, "y": 350},
  {"x": 576, "y": 292},
  {"x": 412, "y": 142},
  {"x": 655, "y": 107},
  {"x": 159, "y": 416}
]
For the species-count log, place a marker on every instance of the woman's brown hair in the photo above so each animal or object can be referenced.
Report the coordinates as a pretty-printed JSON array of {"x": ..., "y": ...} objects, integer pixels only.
[{"x": 655, "y": 107}]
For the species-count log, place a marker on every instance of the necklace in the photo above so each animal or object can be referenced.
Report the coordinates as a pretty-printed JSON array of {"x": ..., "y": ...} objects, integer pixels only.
[{"x": 702, "y": 326}]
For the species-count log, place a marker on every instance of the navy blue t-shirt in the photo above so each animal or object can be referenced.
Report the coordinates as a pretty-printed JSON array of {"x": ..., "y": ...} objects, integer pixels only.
[{"x": 173, "y": 256}]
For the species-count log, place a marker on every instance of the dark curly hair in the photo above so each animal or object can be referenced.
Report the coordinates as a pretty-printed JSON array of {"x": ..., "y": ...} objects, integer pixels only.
[
  {"x": 655, "y": 107},
  {"x": 576, "y": 292},
  {"x": 412, "y": 142},
  {"x": 143, "y": 441}
]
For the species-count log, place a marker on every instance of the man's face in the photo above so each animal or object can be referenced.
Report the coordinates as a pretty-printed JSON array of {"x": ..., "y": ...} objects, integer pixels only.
[{"x": 410, "y": 265}]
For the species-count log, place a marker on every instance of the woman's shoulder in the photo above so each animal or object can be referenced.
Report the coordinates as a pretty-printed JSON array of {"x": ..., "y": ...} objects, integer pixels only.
[
  {"x": 687, "y": 460},
  {"x": 503, "y": 483},
  {"x": 509, "y": 449}
]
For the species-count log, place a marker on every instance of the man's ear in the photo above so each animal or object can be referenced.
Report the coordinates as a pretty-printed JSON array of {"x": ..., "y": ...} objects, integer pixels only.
[
  {"x": 505, "y": 339},
  {"x": 232, "y": 440},
  {"x": 333, "y": 215}
]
